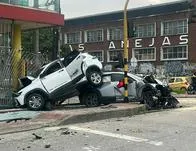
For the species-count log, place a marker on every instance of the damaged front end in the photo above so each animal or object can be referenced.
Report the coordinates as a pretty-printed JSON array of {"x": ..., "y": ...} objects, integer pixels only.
[
  {"x": 164, "y": 99},
  {"x": 25, "y": 81}
]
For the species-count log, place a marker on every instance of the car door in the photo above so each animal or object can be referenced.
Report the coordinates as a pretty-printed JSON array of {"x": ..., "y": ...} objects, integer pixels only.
[
  {"x": 179, "y": 83},
  {"x": 172, "y": 83},
  {"x": 73, "y": 65},
  {"x": 107, "y": 89},
  {"x": 73, "y": 62},
  {"x": 132, "y": 92},
  {"x": 55, "y": 77},
  {"x": 119, "y": 91}
]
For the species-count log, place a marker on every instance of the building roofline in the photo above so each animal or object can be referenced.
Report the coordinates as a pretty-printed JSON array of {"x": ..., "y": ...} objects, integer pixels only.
[
  {"x": 128, "y": 10},
  {"x": 139, "y": 12}
]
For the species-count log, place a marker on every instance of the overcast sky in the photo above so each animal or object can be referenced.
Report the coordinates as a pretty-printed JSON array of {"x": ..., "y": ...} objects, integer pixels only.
[{"x": 78, "y": 8}]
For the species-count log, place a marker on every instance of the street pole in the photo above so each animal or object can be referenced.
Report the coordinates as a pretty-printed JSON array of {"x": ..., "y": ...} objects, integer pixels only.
[{"x": 125, "y": 54}]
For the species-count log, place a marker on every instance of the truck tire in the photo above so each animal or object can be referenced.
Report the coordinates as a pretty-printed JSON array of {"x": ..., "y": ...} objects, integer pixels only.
[
  {"x": 94, "y": 77},
  {"x": 35, "y": 102}
]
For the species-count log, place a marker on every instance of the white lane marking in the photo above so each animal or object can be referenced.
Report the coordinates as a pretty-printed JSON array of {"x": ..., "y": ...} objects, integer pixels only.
[
  {"x": 120, "y": 136},
  {"x": 91, "y": 148}
]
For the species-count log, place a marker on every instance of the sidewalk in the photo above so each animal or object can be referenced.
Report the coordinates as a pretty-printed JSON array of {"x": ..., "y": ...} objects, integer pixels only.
[
  {"x": 184, "y": 95},
  {"x": 70, "y": 115}
]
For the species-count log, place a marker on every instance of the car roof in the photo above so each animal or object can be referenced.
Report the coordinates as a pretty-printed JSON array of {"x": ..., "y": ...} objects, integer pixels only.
[{"x": 129, "y": 74}]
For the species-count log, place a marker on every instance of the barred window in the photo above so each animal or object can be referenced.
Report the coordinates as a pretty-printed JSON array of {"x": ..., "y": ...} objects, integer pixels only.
[
  {"x": 94, "y": 35},
  {"x": 144, "y": 30},
  {"x": 145, "y": 54},
  {"x": 98, "y": 54},
  {"x": 115, "y": 33},
  {"x": 72, "y": 38},
  {"x": 113, "y": 54},
  {"x": 175, "y": 27},
  {"x": 175, "y": 52}
]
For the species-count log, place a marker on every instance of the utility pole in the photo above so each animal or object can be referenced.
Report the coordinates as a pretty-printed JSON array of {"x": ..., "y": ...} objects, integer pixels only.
[{"x": 126, "y": 99}]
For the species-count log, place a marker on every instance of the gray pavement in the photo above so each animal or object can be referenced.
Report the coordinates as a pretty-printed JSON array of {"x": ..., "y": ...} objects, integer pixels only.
[
  {"x": 66, "y": 114},
  {"x": 168, "y": 130},
  {"x": 71, "y": 112}
]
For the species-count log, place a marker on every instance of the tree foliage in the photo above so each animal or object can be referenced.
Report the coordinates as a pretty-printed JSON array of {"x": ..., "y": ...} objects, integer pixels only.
[{"x": 45, "y": 40}]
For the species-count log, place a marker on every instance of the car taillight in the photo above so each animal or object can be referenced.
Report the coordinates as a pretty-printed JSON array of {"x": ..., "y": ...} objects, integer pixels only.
[{"x": 120, "y": 84}]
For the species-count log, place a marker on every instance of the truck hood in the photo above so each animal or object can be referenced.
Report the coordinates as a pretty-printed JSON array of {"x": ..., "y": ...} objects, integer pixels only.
[{"x": 25, "y": 81}]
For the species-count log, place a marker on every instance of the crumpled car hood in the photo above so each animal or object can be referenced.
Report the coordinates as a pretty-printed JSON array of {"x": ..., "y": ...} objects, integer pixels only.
[{"x": 25, "y": 81}]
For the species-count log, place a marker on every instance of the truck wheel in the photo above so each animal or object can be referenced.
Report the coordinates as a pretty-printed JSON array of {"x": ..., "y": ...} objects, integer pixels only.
[
  {"x": 91, "y": 99},
  {"x": 95, "y": 78},
  {"x": 35, "y": 102}
]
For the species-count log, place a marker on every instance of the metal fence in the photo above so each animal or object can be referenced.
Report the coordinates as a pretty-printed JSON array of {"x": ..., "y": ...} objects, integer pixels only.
[
  {"x": 5, "y": 78},
  {"x": 10, "y": 68},
  {"x": 33, "y": 62}
]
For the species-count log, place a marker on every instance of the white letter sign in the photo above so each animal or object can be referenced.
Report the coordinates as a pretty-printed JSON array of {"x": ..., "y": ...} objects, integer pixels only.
[
  {"x": 152, "y": 44},
  {"x": 111, "y": 45},
  {"x": 166, "y": 41},
  {"x": 183, "y": 39},
  {"x": 138, "y": 43},
  {"x": 81, "y": 47}
]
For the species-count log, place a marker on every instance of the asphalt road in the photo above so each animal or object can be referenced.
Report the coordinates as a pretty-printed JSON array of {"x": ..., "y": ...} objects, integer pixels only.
[{"x": 165, "y": 130}]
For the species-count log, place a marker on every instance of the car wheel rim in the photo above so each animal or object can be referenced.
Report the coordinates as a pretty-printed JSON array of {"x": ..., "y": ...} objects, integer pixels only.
[
  {"x": 35, "y": 102},
  {"x": 96, "y": 78},
  {"x": 92, "y": 100}
]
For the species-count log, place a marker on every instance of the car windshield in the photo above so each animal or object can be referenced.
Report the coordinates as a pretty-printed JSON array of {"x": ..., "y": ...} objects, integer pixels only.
[
  {"x": 70, "y": 57},
  {"x": 37, "y": 72}
]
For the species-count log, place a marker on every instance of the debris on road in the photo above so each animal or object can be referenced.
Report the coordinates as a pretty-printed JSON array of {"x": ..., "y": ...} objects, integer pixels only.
[
  {"x": 47, "y": 146},
  {"x": 16, "y": 119},
  {"x": 67, "y": 132},
  {"x": 108, "y": 106},
  {"x": 36, "y": 136}
]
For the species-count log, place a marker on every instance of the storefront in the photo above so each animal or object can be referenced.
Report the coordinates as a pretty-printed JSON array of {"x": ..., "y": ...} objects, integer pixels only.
[{"x": 16, "y": 16}]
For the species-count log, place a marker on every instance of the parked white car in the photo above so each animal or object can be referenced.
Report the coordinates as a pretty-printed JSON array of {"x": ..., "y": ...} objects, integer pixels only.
[{"x": 58, "y": 80}]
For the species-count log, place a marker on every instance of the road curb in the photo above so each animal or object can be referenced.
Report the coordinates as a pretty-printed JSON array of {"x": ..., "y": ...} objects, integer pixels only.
[
  {"x": 67, "y": 117},
  {"x": 184, "y": 96},
  {"x": 90, "y": 117}
]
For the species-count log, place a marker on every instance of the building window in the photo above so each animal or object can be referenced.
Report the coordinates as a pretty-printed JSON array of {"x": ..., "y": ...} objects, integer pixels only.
[
  {"x": 175, "y": 52},
  {"x": 144, "y": 30},
  {"x": 113, "y": 55},
  {"x": 94, "y": 35},
  {"x": 145, "y": 54},
  {"x": 115, "y": 33},
  {"x": 98, "y": 54},
  {"x": 73, "y": 38},
  {"x": 174, "y": 27}
]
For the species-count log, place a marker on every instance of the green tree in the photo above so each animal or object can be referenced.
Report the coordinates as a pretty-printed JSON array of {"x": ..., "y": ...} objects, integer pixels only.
[
  {"x": 65, "y": 49},
  {"x": 45, "y": 41},
  {"x": 27, "y": 41}
]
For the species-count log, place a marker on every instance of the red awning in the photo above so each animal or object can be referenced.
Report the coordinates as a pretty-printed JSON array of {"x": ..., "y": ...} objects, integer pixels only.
[{"x": 24, "y": 14}]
